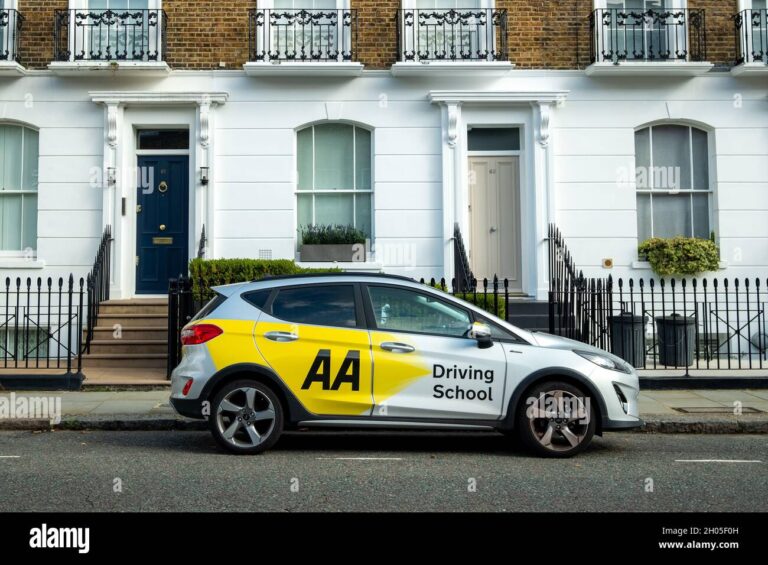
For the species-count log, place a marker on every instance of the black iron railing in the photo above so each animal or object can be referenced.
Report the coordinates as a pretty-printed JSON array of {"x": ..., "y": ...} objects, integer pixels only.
[
  {"x": 660, "y": 324},
  {"x": 110, "y": 35},
  {"x": 41, "y": 323},
  {"x": 302, "y": 35},
  {"x": 11, "y": 22},
  {"x": 472, "y": 34},
  {"x": 182, "y": 307},
  {"x": 462, "y": 271},
  {"x": 98, "y": 285},
  {"x": 650, "y": 35},
  {"x": 752, "y": 36}
]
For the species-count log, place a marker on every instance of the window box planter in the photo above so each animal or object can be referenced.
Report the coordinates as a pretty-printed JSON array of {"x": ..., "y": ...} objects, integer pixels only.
[{"x": 328, "y": 252}]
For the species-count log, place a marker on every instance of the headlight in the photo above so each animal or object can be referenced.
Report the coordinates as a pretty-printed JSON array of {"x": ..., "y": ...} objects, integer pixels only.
[{"x": 603, "y": 361}]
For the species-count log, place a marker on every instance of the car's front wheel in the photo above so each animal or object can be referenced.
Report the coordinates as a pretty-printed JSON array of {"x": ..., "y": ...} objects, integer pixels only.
[
  {"x": 556, "y": 419},
  {"x": 246, "y": 417}
]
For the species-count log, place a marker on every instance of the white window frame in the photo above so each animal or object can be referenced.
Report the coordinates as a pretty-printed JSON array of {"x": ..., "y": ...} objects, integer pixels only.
[
  {"x": 82, "y": 5},
  {"x": 17, "y": 253},
  {"x": 406, "y": 41},
  {"x": 688, "y": 191},
  {"x": 352, "y": 192},
  {"x": 345, "y": 42}
]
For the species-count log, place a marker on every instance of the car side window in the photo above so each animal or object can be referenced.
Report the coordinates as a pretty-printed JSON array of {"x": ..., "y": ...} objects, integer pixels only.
[
  {"x": 319, "y": 305},
  {"x": 407, "y": 310}
]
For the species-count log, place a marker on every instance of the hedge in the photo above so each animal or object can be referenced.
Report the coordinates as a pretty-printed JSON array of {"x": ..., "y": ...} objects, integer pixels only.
[{"x": 206, "y": 273}]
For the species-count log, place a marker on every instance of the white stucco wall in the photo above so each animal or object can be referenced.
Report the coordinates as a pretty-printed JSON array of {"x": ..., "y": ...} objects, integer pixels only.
[{"x": 253, "y": 160}]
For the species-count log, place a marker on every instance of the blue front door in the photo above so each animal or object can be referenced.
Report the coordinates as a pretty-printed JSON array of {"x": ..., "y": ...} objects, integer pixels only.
[{"x": 162, "y": 222}]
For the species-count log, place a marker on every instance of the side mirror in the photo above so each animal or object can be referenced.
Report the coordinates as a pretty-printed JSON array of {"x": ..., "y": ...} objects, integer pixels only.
[{"x": 482, "y": 333}]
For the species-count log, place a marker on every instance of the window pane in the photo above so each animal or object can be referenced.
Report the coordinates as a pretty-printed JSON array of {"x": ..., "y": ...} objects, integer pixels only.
[
  {"x": 163, "y": 139},
  {"x": 258, "y": 298},
  {"x": 493, "y": 139},
  {"x": 334, "y": 209},
  {"x": 305, "y": 210},
  {"x": 29, "y": 235},
  {"x": 10, "y": 222},
  {"x": 411, "y": 311},
  {"x": 643, "y": 216},
  {"x": 12, "y": 158},
  {"x": 31, "y": 137},
  {"x": 642, "y": 157},
  {"x": 672, "y": 215},
  {"x": 363, "y": 159},
  {"x": 363, "y": 213},
  {"x": 700, "y": 160},
  {"x": 304, "y": 157},
  {"x": 317, "y": 305},
  {"x": 701, "y": 216},
  {"x": 671, "y": 157},
  {"x": 333, "y": 157}
]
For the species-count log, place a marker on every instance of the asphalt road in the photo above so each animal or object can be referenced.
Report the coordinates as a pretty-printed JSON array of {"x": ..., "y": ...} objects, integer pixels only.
[{"x": 324, "y": 471}]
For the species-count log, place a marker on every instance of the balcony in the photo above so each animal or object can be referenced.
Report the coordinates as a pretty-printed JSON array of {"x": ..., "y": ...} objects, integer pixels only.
[
  {"x": 10, "y": 39},
  {"x": 669, "y": 42},
  {"x": 752, "y": 42},
  {"x": 125, "y": 41},
  {"x": 447, "y": 41},
  {"x": 302, "y": 42}
]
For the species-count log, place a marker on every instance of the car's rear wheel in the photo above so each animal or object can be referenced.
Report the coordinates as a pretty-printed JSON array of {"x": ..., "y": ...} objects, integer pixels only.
[
  {"x": 246, "y": 417},
  {"x": 556, "y": 419}
]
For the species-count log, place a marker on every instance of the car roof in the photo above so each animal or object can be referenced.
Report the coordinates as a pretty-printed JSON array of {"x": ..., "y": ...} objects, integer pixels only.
[{"x": 311, "y": 278}]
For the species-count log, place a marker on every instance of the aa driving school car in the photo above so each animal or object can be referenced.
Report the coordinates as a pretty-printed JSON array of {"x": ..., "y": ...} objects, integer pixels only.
[{"x": 357, "y": 350}]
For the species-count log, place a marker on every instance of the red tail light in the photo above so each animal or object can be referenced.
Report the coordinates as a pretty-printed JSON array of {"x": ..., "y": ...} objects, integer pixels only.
[{"x": 195, "y": 335}]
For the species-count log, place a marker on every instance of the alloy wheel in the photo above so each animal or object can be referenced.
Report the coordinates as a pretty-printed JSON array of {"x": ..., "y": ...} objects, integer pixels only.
[
  {"x": 559, "y": 420},
  {"x": 245, "y": 417}
]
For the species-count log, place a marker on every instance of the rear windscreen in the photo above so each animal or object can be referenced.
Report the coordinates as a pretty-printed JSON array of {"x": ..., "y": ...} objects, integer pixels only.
[{"x": 214, "y": 303}]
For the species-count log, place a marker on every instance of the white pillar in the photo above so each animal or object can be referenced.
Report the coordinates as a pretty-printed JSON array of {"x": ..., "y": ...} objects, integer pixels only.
[
  {"x": 451, "y": 120},
  {"x": 544, "y": 195}
]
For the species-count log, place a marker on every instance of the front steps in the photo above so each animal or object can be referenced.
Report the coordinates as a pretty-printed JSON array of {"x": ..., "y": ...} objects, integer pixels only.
[
  {"x": 130, "y": 334},
  {"x": 528, "y": 314}
]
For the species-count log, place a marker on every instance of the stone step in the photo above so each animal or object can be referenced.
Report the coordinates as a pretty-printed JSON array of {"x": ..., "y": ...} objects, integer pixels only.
[
  {"x": 126, "y": 360},
  {"x": 131, "y": 333},
  {"x": 133, "y": 320},
  {"x": 122, "y": 346},
  {"x": 123, "y": 307}
]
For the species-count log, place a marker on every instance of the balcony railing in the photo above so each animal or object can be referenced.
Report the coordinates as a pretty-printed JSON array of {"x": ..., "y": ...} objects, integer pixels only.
[
  {"x": 472, "y": 34},
  {"x": 10, "y": 35},
  {"x": 302, "y": 35},
  {"x": 651, "y": 35},
  {"x": 752, "y": 36},
  {"x": 110, "y": 35}
]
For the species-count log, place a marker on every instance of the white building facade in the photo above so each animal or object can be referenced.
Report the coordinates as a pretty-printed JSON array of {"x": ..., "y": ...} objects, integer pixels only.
[{"x": 611, "y": 154}]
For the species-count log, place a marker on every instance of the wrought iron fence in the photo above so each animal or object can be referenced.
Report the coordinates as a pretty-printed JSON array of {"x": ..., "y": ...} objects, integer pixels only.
[
  {"x": 41, "y": 323},
  {"x": 11, "y": 22},
  {"x": 110, "y": 35},
  {"x": 651, "y": 35},
  {"x": 461, "y": 267},
  {"x": 752, "y": 36},
  {"x": 302, "y": 35},
  {"x": 472, "y": 34},
  {"x": 182, "y": 307},
  {"x": 97, "y": 283}
]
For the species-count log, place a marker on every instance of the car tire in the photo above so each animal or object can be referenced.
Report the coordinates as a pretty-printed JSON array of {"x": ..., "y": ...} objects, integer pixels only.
[
  {"x": 246, "y": 417},
  {"x": 551, "y": 428}
]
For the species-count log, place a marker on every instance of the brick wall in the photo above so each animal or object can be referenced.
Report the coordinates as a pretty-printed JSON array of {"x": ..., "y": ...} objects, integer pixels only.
[{"x": 547, "y": 34}]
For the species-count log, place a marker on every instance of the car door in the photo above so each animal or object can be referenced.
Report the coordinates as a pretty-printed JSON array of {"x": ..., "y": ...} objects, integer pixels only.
[
  {"x": 314, "y": 338},
  {"x": 423, "y": 365}
]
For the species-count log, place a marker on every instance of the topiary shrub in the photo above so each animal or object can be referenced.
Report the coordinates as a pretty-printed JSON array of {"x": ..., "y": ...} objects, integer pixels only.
[
  {"x": 206, "y": 273},
  {"x": 680, "y": 255}
]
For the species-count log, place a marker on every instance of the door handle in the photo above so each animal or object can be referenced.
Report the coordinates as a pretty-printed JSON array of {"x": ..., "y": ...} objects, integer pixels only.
[
  {"x": 395, "y": 347},
  {"x": 281, "y": 336},
  {"x": 493, "y": 229}
]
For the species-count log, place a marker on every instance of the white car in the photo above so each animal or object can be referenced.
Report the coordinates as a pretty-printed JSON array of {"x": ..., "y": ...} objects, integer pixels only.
[{"x": 381, "y": 351}]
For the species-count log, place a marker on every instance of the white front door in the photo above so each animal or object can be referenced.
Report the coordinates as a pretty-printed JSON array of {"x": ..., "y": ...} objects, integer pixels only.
[{"x": 494, "y": 216}]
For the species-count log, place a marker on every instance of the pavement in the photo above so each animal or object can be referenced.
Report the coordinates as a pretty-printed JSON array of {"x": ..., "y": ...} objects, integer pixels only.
[
  {"x": 98, "y": 471},
  {"x": 664, "y": 411}
]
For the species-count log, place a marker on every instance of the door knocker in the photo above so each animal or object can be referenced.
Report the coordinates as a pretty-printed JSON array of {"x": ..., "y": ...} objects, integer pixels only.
[{"x": 163, "y": 186}]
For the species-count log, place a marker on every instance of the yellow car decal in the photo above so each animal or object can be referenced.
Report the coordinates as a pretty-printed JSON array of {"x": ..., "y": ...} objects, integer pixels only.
[
  {"x": 394, "y": 371},
  {"x": 327, "y": 369}
]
